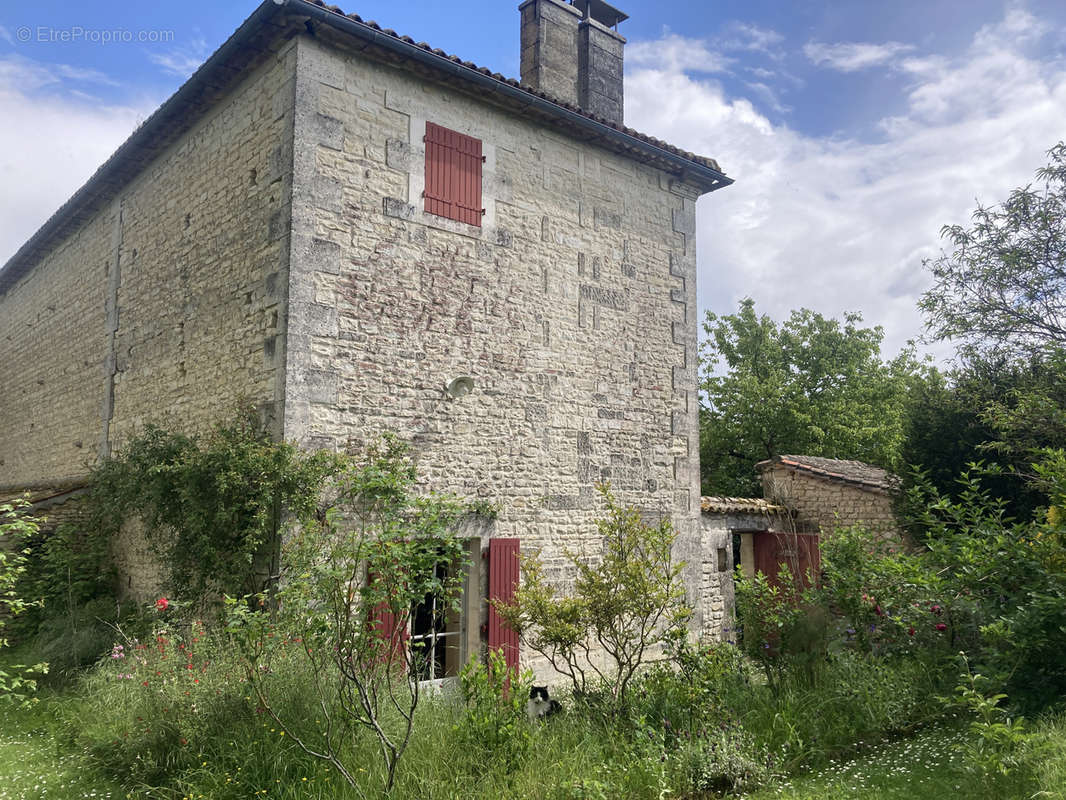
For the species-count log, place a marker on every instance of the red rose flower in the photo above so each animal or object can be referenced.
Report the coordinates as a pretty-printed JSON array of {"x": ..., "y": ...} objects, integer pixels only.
[
  {"x": 162, "y": 604},
  {"x": 940, "y": 626}
]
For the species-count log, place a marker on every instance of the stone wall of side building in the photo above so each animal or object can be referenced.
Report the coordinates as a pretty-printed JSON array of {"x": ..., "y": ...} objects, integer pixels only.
[
  {"x": 167, "y": 306},
  {"x": 572, "y": 307},
  {"x": 830, "y": 504}
]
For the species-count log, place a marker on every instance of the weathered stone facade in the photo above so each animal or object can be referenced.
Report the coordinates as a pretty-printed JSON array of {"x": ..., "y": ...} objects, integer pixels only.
[
  {"x": 277, "y": 251},
  {"x": 165, "y": 305},
  {"x": 830, "y": 493}
]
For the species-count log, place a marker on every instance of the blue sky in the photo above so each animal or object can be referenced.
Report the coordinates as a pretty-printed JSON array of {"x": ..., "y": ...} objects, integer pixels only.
[{"x": 855, "y": 129}]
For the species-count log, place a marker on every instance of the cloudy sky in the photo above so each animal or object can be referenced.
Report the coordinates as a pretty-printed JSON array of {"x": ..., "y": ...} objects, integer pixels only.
[{"x": 854, "y": 129}]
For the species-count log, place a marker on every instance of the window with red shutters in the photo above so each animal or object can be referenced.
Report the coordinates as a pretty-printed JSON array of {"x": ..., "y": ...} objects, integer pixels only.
[{"x": 453, "y": 175}]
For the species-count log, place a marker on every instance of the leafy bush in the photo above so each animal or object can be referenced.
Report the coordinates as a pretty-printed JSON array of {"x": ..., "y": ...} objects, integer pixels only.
[
  {"x": 628, "y": 603},
  {"x": 351, "y": 584},
  {"x": 783, "y": 627},
  {"x": 1003, "y": 584},
  {"x": 212, "y": 508},
  {"x": 15, "y": 527},
  {"x": 494, "y": 713}
]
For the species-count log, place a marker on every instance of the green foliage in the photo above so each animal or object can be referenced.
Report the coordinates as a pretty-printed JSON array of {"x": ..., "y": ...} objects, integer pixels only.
[
  {"x": 1001, "y": 288},
  {"x": 1001, "y": 744},
  {"x": 628, "y": 602},
  {"x": 783, "y": 627},
  {"x": 1003, "y": 586},
  {"x": 351, "y": 583},
  {"x": 16, "y": 525},
  {"x": 890, "y": 600},
  {"x": 1007, "y": 409},
  {"x": 494, "y": 719},
  {"x": 212, "y": 508},
  {"x": 70, "y": 577},
  {"x": 811, "y": 385}
]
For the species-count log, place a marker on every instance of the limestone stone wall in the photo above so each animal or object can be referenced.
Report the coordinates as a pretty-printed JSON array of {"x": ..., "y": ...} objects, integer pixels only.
[
  {"x": 52, "y": 350},
  {"x": 572, "y": 307},
  {"x": 166, "y": 305},
  {"x": 204, "y": 258},
  {"x": 828, "y": 503}
]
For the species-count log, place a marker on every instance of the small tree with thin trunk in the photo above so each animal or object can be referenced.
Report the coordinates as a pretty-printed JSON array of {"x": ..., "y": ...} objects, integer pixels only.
[
  {"x": 626, "y": 604},
  {"x": 348, "y": 588}
]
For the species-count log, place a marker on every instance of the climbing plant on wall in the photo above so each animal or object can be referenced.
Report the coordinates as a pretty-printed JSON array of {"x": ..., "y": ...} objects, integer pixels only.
[{"x": 211, "y": 506}]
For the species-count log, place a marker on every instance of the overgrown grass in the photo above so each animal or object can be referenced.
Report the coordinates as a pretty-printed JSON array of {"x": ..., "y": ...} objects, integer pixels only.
[
  {"x": 36, "y": 762},
  {"x": 195, "y": 731}
]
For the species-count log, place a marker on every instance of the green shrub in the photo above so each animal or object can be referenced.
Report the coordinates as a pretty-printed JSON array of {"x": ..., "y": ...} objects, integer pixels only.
[
  {"x": 16, "y": 526},
  {"x": 212, "y": 507},
  {"x": 494, "y": 710},
  {"x": 350, "y": 585},
  {"x": 626, "y": 604}
]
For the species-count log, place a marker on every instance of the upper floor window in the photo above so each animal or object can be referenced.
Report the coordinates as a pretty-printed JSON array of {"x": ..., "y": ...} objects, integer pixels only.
[{"x": 453, "y": 175}]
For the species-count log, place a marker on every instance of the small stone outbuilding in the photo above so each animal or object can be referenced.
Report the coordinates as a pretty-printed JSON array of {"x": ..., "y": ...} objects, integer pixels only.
[
  {"x": 830, "y": 493},
  {"x": 729, "y": 527}
]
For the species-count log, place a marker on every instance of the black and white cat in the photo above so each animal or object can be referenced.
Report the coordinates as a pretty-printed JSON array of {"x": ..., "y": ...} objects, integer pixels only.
[{"x": 540, "y": 706}]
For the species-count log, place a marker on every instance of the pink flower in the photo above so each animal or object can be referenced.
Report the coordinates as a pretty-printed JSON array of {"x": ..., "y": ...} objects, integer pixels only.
[{"x": 162, "y": 604}]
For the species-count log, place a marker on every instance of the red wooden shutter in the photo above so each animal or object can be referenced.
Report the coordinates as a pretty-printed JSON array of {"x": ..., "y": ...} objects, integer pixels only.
[
  {"x": 391, "y": 628},
  {"x": 503, "y": 580},
  {"x": 453, "y": 175}
]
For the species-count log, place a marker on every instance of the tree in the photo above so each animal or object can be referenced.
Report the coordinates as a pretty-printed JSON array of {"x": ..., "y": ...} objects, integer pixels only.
[
  {"x": 349, "y": 587},
  {"x": 812, "y": 386},
  {"x": 1002, "y": 286},
  {"x": 627, "y": 604},
  {"x": 970, "y": 414},
  {"x": 1000, "y": 294}
]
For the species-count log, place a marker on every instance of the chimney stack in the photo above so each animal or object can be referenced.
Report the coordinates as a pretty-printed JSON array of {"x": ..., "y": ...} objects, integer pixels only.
[{"x": 573, "y": 52}]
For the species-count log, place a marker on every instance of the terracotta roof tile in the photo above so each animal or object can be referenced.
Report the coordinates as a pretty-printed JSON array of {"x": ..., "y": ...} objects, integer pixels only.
[
  {"x": 739, "y": 505},
  {"x": 854, "y": 472}
]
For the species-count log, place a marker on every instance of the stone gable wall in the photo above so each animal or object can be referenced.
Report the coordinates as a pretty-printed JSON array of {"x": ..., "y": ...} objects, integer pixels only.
[
  {"x": 573, "y": 308},
  {"x": 829, "y": 504}
]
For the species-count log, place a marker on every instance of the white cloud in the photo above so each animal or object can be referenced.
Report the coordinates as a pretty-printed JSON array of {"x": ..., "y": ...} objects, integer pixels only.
[
  {"x": 838, "y": 224},
  {"x": 768, "y": 96},
  {"x": 182, "y": 61},
  {"x": 853, "y": 56},
  {"x": 51, "y": 141},
  {"x": 742, "y": 36},
  {"x": 676, "y": 53}
]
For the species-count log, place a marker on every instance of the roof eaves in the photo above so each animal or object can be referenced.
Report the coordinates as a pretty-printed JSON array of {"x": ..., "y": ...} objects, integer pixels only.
[
  {"x": 217, "y": 73},
  {"x": 881, "y": 486},
  {"x": 703, "y": 171},
  {"x": 113, "y": 172}
]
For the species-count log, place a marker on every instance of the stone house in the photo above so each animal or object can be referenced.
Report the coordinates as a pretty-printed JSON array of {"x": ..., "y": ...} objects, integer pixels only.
[
  {"x": 361, "y": 233},
  {"x": 829, "y": 493}
]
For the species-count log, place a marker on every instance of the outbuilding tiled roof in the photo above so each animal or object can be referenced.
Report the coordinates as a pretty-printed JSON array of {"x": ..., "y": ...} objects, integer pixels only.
[
  {"x": 853, "y": 472},
  {"x": 739, "y": 505}
]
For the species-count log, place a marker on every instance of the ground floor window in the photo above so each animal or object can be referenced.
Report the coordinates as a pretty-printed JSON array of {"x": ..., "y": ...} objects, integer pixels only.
[{"x": 436, "y": 631}]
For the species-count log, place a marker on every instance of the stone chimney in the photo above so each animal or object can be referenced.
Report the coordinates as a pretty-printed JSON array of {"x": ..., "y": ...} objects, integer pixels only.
[{"x": 573, "y": 52}]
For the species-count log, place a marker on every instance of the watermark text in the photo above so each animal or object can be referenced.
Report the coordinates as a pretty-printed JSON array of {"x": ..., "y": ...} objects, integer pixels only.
[{"x": 76, "y": 34}]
